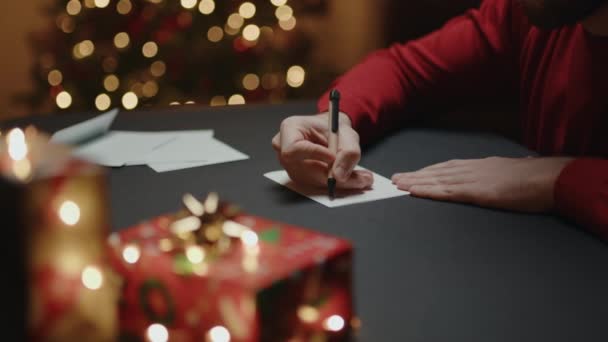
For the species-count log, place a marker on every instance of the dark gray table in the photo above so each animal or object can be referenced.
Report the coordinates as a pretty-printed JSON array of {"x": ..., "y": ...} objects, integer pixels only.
[{"x": 425, "y": 270}]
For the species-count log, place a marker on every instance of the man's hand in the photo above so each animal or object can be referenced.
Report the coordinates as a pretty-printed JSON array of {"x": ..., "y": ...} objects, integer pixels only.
[
  {"x": 301, "y": 147},
  {"x": 524, "y": 184}
]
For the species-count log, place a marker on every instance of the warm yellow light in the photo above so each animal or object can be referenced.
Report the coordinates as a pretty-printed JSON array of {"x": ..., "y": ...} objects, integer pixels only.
[
  {"x": 230, "y": 31},
  {"x": 22, "y": 169},
  {"x": 69, "y": 213},
  {"x": 63, "y": 100},
  {"x": 124, "y": 7},
  {"x": 73, "y": 7},
  {"x": 131, "y": 253},
  {"x": 92, "y": 278},
  {"x": 174, "y": 103},
  {"x": 188, "y": 4},
  {"x": 206, "y": 6},
  {"x": 89, "y": 3},
  {"x": 215, "y": 34},
  {"x": 278, "y": 2},
  {"x": 158, "y": 68},
  {"x": 249, "y": 238},
  {"x": 157, "y": 333},
  {"x": 121, "y": 40},
  {"x": 55, "y": 77},
  {"x": 165, "y": 245},
  {"x": 102, "y": 3},
  {"x": 288, "y": 24},
  {"x": 150, "y": 89},
  {"x": 195, "y": 254},
  {"x": 111, "y": 83},
  {"x": 219, "y": 334},
  {"x": 235, "y": 21},
  {"x": 217, "y": 101},
  {"x": 129, "y": 100},
  {"x": 308, "y": 314},
  {"x": 233, "y": 229},
  {"x": 103, "y": 101},
  {"x": 186, "y": 225},
  {"x": 194, "y": 206},
  {"x": 251, "y": 82},
  {"x": 247, "y": 10},
  {"x": 150, "y": 49},
  {"x": 236, "y": 99},
  {"x": 334, "y": 323},
  {"x": 212, "y": 202},
  {"x": 17, "y": 147},
  {"x": 283, "y": 12},
  {"x": 86, "y": 48},
  {"x": 296, "y": 76},
  {"x": 66, "y": 24},
  {"x": 251, "y": 32}
]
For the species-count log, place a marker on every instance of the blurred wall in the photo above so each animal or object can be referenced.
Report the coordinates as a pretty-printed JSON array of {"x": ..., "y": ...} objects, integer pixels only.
[{"x": 17, "y": 18}]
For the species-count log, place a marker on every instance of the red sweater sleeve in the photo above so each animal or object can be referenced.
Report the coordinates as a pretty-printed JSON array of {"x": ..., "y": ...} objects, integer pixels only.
[
  {"x": 581, "y": 194},
  {"x": 463, "y": 61}
]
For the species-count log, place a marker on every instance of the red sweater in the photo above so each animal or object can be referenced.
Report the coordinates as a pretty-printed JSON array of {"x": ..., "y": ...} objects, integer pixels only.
[{"x": 560, "y": 78}]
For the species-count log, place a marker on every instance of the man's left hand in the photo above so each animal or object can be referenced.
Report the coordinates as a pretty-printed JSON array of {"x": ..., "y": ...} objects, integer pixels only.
[{"x": 521, "y": 184}]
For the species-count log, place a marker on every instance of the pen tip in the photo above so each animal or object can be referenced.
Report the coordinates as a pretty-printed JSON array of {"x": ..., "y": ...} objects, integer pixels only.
[
  {"x": 331, "y": 188},
  {"x": 334, "y": 95}
]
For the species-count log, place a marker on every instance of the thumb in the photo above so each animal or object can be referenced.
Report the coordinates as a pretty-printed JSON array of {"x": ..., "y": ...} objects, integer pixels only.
[{"x": 349, "y": 154}]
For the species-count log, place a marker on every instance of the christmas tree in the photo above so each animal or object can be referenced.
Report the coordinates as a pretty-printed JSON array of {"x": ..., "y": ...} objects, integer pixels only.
[{"x": 130, "y": 53}]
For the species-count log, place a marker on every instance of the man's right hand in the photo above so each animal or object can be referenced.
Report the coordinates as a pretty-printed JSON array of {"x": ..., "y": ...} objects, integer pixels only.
[{"x": 301, "y": 147}]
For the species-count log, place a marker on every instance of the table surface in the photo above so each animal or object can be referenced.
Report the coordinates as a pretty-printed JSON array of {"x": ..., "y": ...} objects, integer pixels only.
[{"x": 424, "y": 270}]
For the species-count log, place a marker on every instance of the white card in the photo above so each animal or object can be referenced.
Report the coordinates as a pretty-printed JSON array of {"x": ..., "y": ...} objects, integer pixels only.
[
  {"x": 383, "y": 188},
  {"x": 194, "y": 148},
  {"x": 172, "y": 136},
  {"x": 85, "y": 130},
  {"x": 116, "y": 148}
]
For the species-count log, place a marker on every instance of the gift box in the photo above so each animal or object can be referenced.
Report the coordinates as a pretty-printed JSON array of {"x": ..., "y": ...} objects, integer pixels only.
[
  {"x": 212, "y": 273},
  {"x": 55, "y": 215}
]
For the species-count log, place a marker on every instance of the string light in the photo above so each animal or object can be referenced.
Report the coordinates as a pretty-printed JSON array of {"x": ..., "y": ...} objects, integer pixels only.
[
  {"x": 334, "y": 323},
  {"x": 157, "y": 333},
  {"x": 288, "y": 24},
  {"x": 131, "y": 253},
  {"x": 92, "y": 278},
  {"x": 217, "y": 101},
  {"x": 124, "y": 7},
  {"x": 69, "y": 213},
  {"x": 150, "y": 89},
  {"x": 63, "y": 100},
  {"x": 195, "y": 254},
  {"x": 235, "y": 21},
  {"x": 22, "y": 169},
  {"x": 249, "y": 238},
  {"x": 206, "y": 7},
  {"x": 251, "y": 82},
  {"x": 278, "y": 2},
  {"x": 165, "y": 245},
  {"x": 103, "y": 101},
  {"x": 55, "y": 77},
  {"x": 158, "y": 68},
  {"x": 230, "y": 30},
  {"x": 73, "y": 7},
  {"x": 283, "y": 12},
  {"x": 150, "y": 49},
  {"x": 188, "y": 4},
  {"x": 121, "y": 40},
  {"x": 102, "y": 3},
  {"x": 251, "y": 32},
  {"x": 66, "y": 24},
  {"x": 111, "y": 83},
  {"x": 129, "y": 100},
  {"x": 295, "y": 76},
  {"x": 236, "y": 99},
  {"x": 219, "y": 334},
  {"x": 247, "y": 10},
  {"x": 89, "y": 3},
  {"x": 308, "y": 314},
  {"x": 17, "y": 147},
  {"x": 215, "y": 34}
]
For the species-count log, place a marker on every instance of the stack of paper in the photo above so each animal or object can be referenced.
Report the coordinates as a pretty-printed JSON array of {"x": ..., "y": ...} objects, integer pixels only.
[{"x": 162, "y": 151}]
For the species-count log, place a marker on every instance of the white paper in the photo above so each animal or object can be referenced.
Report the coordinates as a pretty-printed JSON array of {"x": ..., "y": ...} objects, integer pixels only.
[
  {"x": 383, "y": 188},
  {"x": 172, "y": 136},
  {"x": 117, "y": 148},
  {"x": 194, "y": 148},
  {"x": 166, "y": 167},
  {"x": 85, "y": 130}
]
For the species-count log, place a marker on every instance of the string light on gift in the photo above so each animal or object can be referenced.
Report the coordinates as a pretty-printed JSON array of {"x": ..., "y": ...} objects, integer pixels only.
[
  {"x": 334, "y": 323},
  {"x": 218, "y": 334},
  {"x": 308, "y": 314},
  {"x": 157, "y": 333},
  {"x": 92, "y": 278},
  {"x": 131, "y": 253},
  {"x": 69, "y": 213},
  {"x": 17, "y": 146},
  {"x": 195, "y": 254}
]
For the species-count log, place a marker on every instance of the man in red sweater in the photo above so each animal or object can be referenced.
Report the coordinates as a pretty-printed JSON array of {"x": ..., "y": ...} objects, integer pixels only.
[{"x": 552, "y": 55}]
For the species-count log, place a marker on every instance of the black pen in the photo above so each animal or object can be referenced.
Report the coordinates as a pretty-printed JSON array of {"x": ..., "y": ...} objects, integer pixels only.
[{"x": 334, "y": 112}]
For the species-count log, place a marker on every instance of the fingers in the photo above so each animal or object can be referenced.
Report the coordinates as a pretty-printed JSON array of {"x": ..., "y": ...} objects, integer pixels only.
[
  {"x": 304, "y": 150},
  {"x": 314, "y": 173},
  {"x": 452, "y": 193},
  {"x": 349, "y": 154}
]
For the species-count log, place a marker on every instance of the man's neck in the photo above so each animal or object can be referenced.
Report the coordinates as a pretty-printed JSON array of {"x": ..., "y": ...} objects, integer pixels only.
[{"x": 597, "y": 23}]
